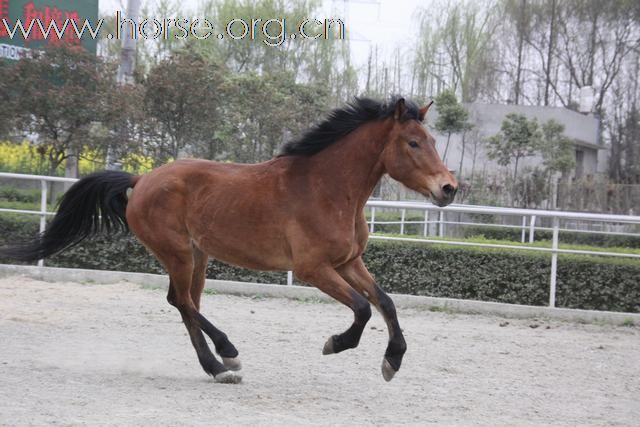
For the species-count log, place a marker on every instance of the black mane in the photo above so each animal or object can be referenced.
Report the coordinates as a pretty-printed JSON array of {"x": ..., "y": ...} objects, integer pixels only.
[{"x": 343, "y": 121}]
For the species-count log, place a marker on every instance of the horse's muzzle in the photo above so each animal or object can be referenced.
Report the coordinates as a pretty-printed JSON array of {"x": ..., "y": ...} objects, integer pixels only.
[{"x": 446, "y": 196}]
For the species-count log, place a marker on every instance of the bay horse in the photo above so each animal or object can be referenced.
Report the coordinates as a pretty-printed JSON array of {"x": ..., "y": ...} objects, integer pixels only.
[{"x": 302, "y": 211}]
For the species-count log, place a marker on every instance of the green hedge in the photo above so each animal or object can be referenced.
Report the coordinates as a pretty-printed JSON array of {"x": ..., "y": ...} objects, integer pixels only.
[
  {"x": 505, "y": 275},
  {"x": 119, "y": 253},
  {"x": 409, "y": 229},
  {"x": 515, "y": 235},
  {"x": 406, "y": 267},
  {"x": 510, "y": 234},
  {"x": 12, "y": 194}
]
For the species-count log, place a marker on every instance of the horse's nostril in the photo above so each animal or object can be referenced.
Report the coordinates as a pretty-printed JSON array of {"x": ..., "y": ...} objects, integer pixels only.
[{"x": 449, "y": 190}]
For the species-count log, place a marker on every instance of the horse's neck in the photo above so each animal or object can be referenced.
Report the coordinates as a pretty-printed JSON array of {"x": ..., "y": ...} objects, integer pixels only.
[{"x": 352, "y": 167}]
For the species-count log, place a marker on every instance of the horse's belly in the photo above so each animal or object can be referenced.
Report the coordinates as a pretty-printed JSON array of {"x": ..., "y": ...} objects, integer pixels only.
[{"x": 254, "y": 250}]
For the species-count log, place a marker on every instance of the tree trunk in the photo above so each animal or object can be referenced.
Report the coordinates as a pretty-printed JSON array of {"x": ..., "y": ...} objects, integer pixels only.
[
  {"x": 552, "y": 35},
  {"x": 71, "y": 167},
  {"x": 464, "y": 143},
  {"x": 446, "y": 148},
  {"x": 521, "y": 34}
]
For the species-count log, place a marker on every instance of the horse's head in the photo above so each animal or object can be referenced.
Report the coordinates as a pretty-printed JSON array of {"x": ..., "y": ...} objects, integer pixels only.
[{"x": 410, "y": 157}]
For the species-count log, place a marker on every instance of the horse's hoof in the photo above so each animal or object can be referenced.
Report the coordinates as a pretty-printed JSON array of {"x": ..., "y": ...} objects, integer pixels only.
[
  {"x": 328, "y": 347},
  {"x": 387, "y": 371},
  {"x": 228, "y": 377},
  {"x": 232, "y": 363}
]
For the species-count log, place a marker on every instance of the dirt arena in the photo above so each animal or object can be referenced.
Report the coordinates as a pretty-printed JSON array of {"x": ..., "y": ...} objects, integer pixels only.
[{"x": 76, "y": 354}]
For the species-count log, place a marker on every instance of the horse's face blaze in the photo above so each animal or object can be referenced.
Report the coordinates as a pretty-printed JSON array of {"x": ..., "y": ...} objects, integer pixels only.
[{"x": 411, "y": 158}]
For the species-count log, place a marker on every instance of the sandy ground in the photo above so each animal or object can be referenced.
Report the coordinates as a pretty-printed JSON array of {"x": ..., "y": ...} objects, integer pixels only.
[{"x": 75, "y": 354}]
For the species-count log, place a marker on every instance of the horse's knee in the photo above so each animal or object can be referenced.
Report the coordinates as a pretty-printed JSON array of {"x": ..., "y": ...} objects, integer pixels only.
[{"x": 361, "y": 309}]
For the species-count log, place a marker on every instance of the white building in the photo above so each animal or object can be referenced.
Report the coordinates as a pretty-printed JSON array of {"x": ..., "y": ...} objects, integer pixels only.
[{"x": 582, "y": 129}]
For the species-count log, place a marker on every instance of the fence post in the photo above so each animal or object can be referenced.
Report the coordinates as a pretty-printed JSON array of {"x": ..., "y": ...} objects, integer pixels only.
[
  {"x": 43, "y": 212},
  {"x": 373, "y": 219},
  {"x": 524, "y": 229},
  {"x": 403, "y": 215},
  {"x": 425, "y": 231},
  {"x": 289, "y": 278},
  {"x": 532, "y": 228},
  {"x": 554, "y": 263},
  {"x": 441, "y": 224}
]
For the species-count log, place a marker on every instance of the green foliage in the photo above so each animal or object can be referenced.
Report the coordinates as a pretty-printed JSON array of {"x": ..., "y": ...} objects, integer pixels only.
[
  {"x": 518, "y": 137},
  {"x": 66, "y": 99},
  {"x": 182, "y": 103},
  {"x": 452, "y": 116},
  {"x": 409, "y": 229},
  {"x": 503, "y": 276},
  {"x": 592, "y": 240},
  {"x": 403, "y": 267},
  {"x": 557, "y": 150},
  {"x": 56, "y": 95},
  {"x": 11, "y": 194},
  {"x": 258, "y": 119}
]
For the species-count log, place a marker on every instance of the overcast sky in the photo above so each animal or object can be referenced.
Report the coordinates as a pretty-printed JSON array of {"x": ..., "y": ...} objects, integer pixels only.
[{"x": 385, "y": 23}]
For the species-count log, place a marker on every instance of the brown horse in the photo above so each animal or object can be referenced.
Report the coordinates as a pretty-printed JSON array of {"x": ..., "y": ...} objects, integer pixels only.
[{"x": 301, "y": 211}]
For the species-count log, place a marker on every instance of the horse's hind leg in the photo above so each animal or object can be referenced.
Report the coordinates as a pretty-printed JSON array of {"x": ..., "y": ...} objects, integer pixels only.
[
  {"x": 180, "y": 267},
  {"x": 223, "y": 346},
  {"x": 329, "y": 281},
  {"x": 357, "y": 275}
]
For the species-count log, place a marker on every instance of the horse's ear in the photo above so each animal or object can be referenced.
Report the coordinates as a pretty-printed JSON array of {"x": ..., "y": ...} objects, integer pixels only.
[
  {"x": 423, "y": 111},
  {"x": 400, "y": 109}
]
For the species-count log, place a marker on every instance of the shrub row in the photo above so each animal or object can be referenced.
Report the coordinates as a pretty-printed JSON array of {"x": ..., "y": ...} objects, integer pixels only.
[
  {"x": 514, "y": 235},
  {"x": 12, "y": 194},
  {"x": 510, "y": 234},
  {"x": 406, "y": 267}
]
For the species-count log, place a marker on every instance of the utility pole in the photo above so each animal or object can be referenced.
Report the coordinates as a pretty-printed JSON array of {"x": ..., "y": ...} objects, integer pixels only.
[
  {"x": 128, "y": 53},
  {"x": 127, "y": 65}
]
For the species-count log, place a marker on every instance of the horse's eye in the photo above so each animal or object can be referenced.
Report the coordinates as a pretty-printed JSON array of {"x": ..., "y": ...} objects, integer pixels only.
[{"x": 413, "y": 144}]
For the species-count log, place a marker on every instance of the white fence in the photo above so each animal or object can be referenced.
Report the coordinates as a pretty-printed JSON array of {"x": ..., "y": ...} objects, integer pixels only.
[{"x": 529, "y": 220}]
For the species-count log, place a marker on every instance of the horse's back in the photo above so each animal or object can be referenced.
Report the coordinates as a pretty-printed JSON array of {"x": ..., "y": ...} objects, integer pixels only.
[{"x": 234, "y": 212}]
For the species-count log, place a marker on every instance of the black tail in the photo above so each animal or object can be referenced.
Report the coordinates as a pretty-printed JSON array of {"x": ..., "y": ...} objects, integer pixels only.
[{"x": 95, "y": 203}]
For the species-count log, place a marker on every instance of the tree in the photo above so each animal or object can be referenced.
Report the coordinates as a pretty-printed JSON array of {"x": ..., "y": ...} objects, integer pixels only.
[
  {"x": 594, "y": 40},
  {"x": 518, "y": 27},
  {"x": 518, "y": 138},
  {"x": 262, "y": 112},
  {"x": 54, "y": 96},
  {"x": 452, "y": 117},
  {"x": 467, "y": 35},
  {"x": 558, "y": 151},
  {"x": 558, "y": 154},
  {"x": 181, "y": 104}
]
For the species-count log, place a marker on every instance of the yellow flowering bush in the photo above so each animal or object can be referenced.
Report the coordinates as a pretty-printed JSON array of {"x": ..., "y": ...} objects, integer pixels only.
[{"x": 25, "y": 158}]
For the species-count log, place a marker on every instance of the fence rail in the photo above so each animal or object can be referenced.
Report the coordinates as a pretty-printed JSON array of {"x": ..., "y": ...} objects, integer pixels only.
[{"x": 529, "y": 219}]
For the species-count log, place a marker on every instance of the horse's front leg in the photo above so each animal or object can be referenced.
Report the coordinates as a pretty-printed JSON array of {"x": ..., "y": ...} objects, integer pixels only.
[
  {"x": 357, "y": 275},
  {"x": 330, "y": 282}
]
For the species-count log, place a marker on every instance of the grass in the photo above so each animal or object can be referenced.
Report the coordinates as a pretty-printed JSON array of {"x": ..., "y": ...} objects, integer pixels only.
[
  {"x": 628, "y": 323},
  {"x": 542, "y": 244},
  {"x": 537, "y": 244},
  {"x": 29, "y": 206}
]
